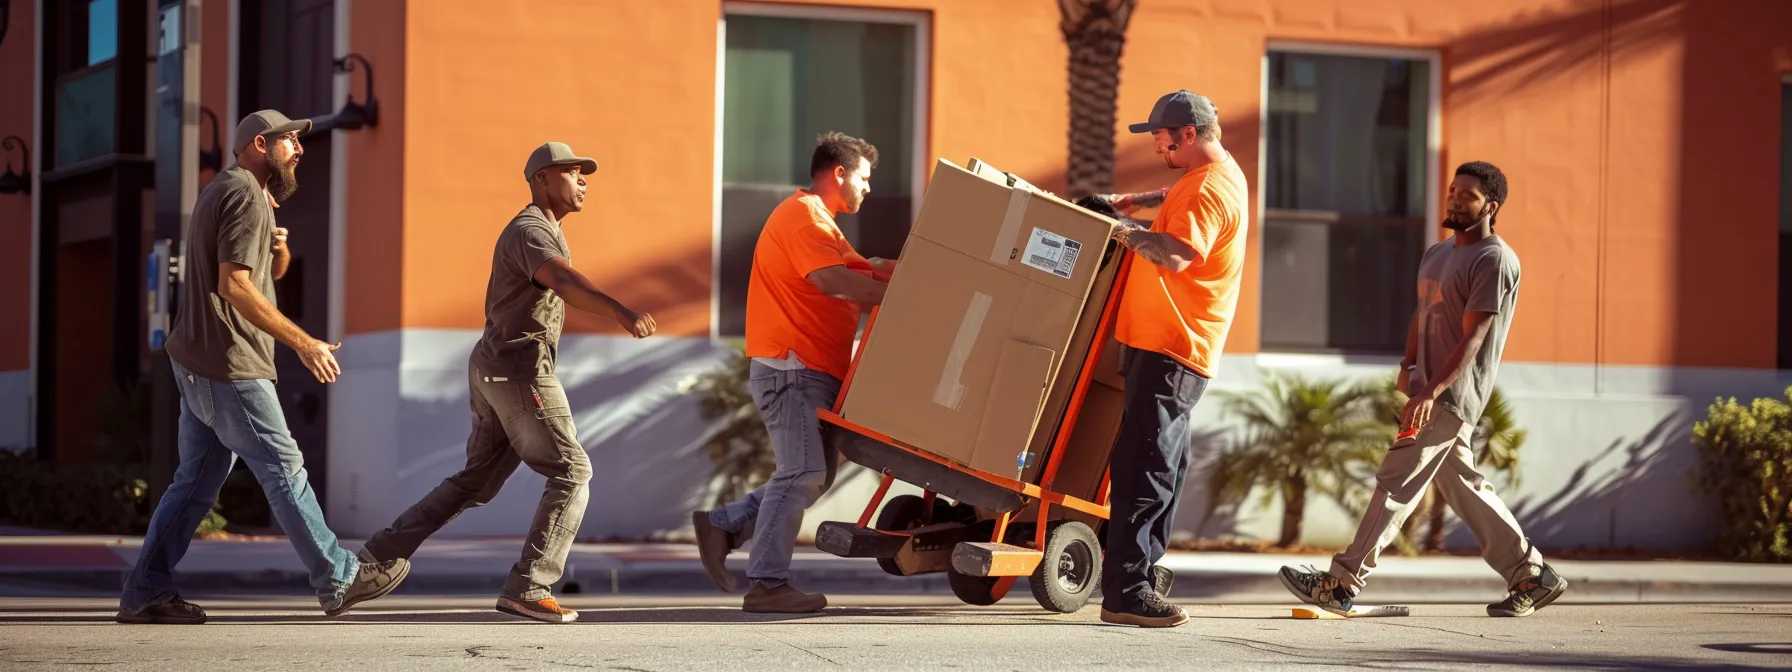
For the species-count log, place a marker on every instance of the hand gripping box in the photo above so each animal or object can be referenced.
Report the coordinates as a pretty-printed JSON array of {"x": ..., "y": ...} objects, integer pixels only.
[{"x": 978, "y": 319}]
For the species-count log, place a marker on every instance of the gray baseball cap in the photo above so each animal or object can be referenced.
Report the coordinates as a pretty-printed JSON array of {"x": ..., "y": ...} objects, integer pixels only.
[
  {"x": 1175, "y": 110},
  {"x": 557, "y": 154},
  {"x": 263, "y": 123}
]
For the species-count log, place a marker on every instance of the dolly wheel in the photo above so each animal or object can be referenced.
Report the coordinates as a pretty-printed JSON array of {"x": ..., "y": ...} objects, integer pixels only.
[
  {"x": 979, "y": 591},
  {"x": 900, "y": 513},
  {"x": 1071, "y": 569}
]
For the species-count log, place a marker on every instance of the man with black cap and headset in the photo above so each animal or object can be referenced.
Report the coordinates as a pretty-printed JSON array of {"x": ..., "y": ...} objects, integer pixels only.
[
  {"x": 520, "y": 411},
  {"x": 222, "y": 349},
  {"x": 1174, "y": 315}
]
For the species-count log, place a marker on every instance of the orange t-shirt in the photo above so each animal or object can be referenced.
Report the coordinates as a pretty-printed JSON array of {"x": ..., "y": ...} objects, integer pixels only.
[
  {"x": 1186, "y": 315},
  {"x": 785, "y": 311}
]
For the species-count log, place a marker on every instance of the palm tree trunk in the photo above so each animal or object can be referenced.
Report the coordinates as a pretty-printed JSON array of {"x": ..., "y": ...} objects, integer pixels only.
[
  {"x": 1095, "y": 32},
  {"x": 1294, "y": 498}
]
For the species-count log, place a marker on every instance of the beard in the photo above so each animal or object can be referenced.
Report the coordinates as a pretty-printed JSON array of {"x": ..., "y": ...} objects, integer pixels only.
[
  {"x": 1455, "y": 222},
  {"x": 853, "y": 201},
  {"x": 283, "y": 181}
]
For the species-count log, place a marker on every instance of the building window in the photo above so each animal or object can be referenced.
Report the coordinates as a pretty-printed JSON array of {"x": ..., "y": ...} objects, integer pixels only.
[
  {"x": 787, "y": 79},
  {"x": 1348, "y": 193},
  {"x": 87, "y": 82}
]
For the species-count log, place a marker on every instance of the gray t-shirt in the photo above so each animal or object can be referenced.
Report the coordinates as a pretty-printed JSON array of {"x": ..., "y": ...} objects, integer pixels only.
[
  {"x": 1483, "y": 277},
  {"x": 232, "y": 222},
  {"x": 522, "y": 319}
]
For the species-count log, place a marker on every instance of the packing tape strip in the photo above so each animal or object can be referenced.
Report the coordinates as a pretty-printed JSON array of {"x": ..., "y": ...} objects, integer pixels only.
[
  {"x": 949, "y": 392},
  {"x": 1011, "y": 220}
]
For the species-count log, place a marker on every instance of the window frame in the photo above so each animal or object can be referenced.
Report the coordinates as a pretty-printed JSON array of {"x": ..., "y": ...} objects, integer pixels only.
[
  {"x": 921, "y": 159},
  {"x": 1433, "y": 154}
]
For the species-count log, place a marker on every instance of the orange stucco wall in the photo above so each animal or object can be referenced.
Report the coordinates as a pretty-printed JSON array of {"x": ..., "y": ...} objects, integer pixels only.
[
  {"x": 374, "y": 201},
  {"x": 16, "y": 79},
  {"x": 1640, "y": 137}
]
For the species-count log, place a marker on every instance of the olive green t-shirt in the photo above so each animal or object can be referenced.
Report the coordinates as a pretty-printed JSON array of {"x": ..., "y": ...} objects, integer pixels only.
[
  {"x": 232, "y": 222},
  {"x": 522, "y": 319}
]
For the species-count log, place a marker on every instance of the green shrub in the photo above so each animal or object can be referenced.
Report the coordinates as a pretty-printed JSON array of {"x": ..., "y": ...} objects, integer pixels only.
[
  {"x": 1745, "y": 464},
  {"x": 92, "y": 498},
  {"x": 97, "y": 498}
]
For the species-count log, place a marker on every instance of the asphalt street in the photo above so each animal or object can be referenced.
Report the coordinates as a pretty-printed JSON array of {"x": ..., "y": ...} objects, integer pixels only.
[{"x": 869, "y": 632}]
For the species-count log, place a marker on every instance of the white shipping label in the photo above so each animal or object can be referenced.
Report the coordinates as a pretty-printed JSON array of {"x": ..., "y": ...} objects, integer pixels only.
[{"x": 1052, "y": 253}]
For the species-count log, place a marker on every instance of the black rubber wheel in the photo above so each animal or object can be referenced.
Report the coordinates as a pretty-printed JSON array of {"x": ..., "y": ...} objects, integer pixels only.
[
  {"x": 977, "y": 591},
  {"x": 1070, "y": 570},
  {"x": 900, "y": 513}
]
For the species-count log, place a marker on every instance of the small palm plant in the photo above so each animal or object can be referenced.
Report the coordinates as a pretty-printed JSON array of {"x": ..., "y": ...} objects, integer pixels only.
[
  {"x": 740, "y": 448},
  {"x": 1304, "y": 438}
]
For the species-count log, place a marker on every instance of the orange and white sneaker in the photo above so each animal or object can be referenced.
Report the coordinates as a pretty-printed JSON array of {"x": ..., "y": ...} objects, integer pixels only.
[{"x": 546, "y": 609}]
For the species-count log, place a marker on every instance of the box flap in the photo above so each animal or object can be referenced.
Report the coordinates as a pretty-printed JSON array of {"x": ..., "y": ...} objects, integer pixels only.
[{"x": 1017, "y": 394}]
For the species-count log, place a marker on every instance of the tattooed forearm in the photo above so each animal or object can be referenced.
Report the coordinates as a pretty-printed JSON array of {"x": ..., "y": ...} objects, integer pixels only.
[
  {"x": 1161, "y": 249},
  {"x": 1149, "y": 199}
]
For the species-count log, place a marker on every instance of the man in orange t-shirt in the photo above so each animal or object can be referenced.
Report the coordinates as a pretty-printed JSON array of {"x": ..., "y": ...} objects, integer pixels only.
[
  {"x": 803, "y": 301},
  {"x": 1176, "y": 308}
]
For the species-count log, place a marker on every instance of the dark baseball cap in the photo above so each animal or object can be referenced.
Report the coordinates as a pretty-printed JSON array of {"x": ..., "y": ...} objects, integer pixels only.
[
  {"x": 265, "y": 122},
  {"x": 557, "y": 154},
  {"x": 1175, "y": 110}
]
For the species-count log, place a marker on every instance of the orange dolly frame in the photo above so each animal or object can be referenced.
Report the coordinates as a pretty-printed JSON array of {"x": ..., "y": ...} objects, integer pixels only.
[{"x": 909, "y": 540}]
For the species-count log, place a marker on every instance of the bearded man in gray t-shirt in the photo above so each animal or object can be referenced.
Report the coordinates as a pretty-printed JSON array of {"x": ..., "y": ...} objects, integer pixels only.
[
  {"x": 222, "y": 351},
  {"x": 1468, "y": 292}
]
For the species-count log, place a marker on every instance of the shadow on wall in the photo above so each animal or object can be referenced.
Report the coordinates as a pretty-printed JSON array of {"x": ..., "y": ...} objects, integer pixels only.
[
  {"x": 645, "y": 440},
  {"x": 1535, "y": 49},
  {"x": 1642, "y": 500}
]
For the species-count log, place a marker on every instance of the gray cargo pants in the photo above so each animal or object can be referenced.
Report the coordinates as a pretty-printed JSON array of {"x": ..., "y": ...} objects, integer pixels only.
[
  {"x": 514, "y": 420},
  {"x": 1442, "y": 453}
]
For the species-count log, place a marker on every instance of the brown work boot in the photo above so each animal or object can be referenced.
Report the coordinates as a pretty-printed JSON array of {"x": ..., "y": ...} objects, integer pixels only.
[
  {"x": 547, "y": 609},
  {"x": 1151, "y": 612},
  {"x": 781, "y": 600},
  {"x": 713, "y": 546}
]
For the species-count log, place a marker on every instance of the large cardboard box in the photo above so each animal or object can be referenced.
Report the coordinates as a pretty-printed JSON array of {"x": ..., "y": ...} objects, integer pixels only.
[{"x": 978, "y": 319}]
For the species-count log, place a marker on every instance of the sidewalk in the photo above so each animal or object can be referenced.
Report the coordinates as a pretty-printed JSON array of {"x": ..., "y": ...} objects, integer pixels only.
[{"x": 53, "y": 564}]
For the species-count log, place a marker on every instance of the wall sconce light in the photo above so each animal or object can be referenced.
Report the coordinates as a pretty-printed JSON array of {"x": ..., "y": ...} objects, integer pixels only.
[
  {"x": 212, "y": 158},
  {"x": 5, "y": 18},
  {"x": 19, "y": 182},
  {"x": 353, "y": 115}
]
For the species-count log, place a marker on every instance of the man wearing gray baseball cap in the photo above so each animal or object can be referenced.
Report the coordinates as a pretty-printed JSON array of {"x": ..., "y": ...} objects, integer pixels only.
[
  {"x": 1176, "y": 310},
  {"x": 222, "y": 350},
  {"x": 520, "y": 411}
]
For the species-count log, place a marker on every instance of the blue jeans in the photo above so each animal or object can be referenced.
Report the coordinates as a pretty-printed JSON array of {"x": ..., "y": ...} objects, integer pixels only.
[
  {"x": 220, "y": 421},
  {"x": 1146, "y": 472},
  {"x": 787, "y": 402}
]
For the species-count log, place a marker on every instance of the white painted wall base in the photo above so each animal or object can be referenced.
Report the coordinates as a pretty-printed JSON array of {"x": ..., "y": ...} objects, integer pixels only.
[
  {"x": 15, "y": 409},
  {"x": 1605, "y": 463}
]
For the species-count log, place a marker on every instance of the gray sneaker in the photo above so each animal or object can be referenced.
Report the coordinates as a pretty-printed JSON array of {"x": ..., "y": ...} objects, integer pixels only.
[
  {"x": 374, "y": 581},
  {"x": 1317, "y": 588},
  {"x": 1530, "y": 595}
]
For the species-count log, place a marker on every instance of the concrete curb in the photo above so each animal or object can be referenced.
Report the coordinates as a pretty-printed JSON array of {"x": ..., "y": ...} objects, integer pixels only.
[{"x": 1190, "y": 587}]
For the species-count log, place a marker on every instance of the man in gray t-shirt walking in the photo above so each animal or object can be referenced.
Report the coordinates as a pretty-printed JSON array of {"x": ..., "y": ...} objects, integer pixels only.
[
  {"x": 520, "y": 412},
  {"x": 1468, "y": 291},
  {"x": 222, "y": 350}
]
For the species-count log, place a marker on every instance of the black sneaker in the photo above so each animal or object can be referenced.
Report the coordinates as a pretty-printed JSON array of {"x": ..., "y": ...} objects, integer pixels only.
[
  {"x": 1151, "y": 612},
  {"x": 1530, "y": 595},
  {"x": 1317, "y": 588},
  {"x": 171, "y": 611},
  {"x": 374, "y": 581},
  {"x": 1161, "y": 580}
]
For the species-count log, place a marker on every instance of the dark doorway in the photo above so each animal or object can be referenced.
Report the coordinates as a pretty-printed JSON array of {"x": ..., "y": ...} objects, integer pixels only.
[
  {"x": 1785, "y": 331},
  {"x": 285, "y": 64}
]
